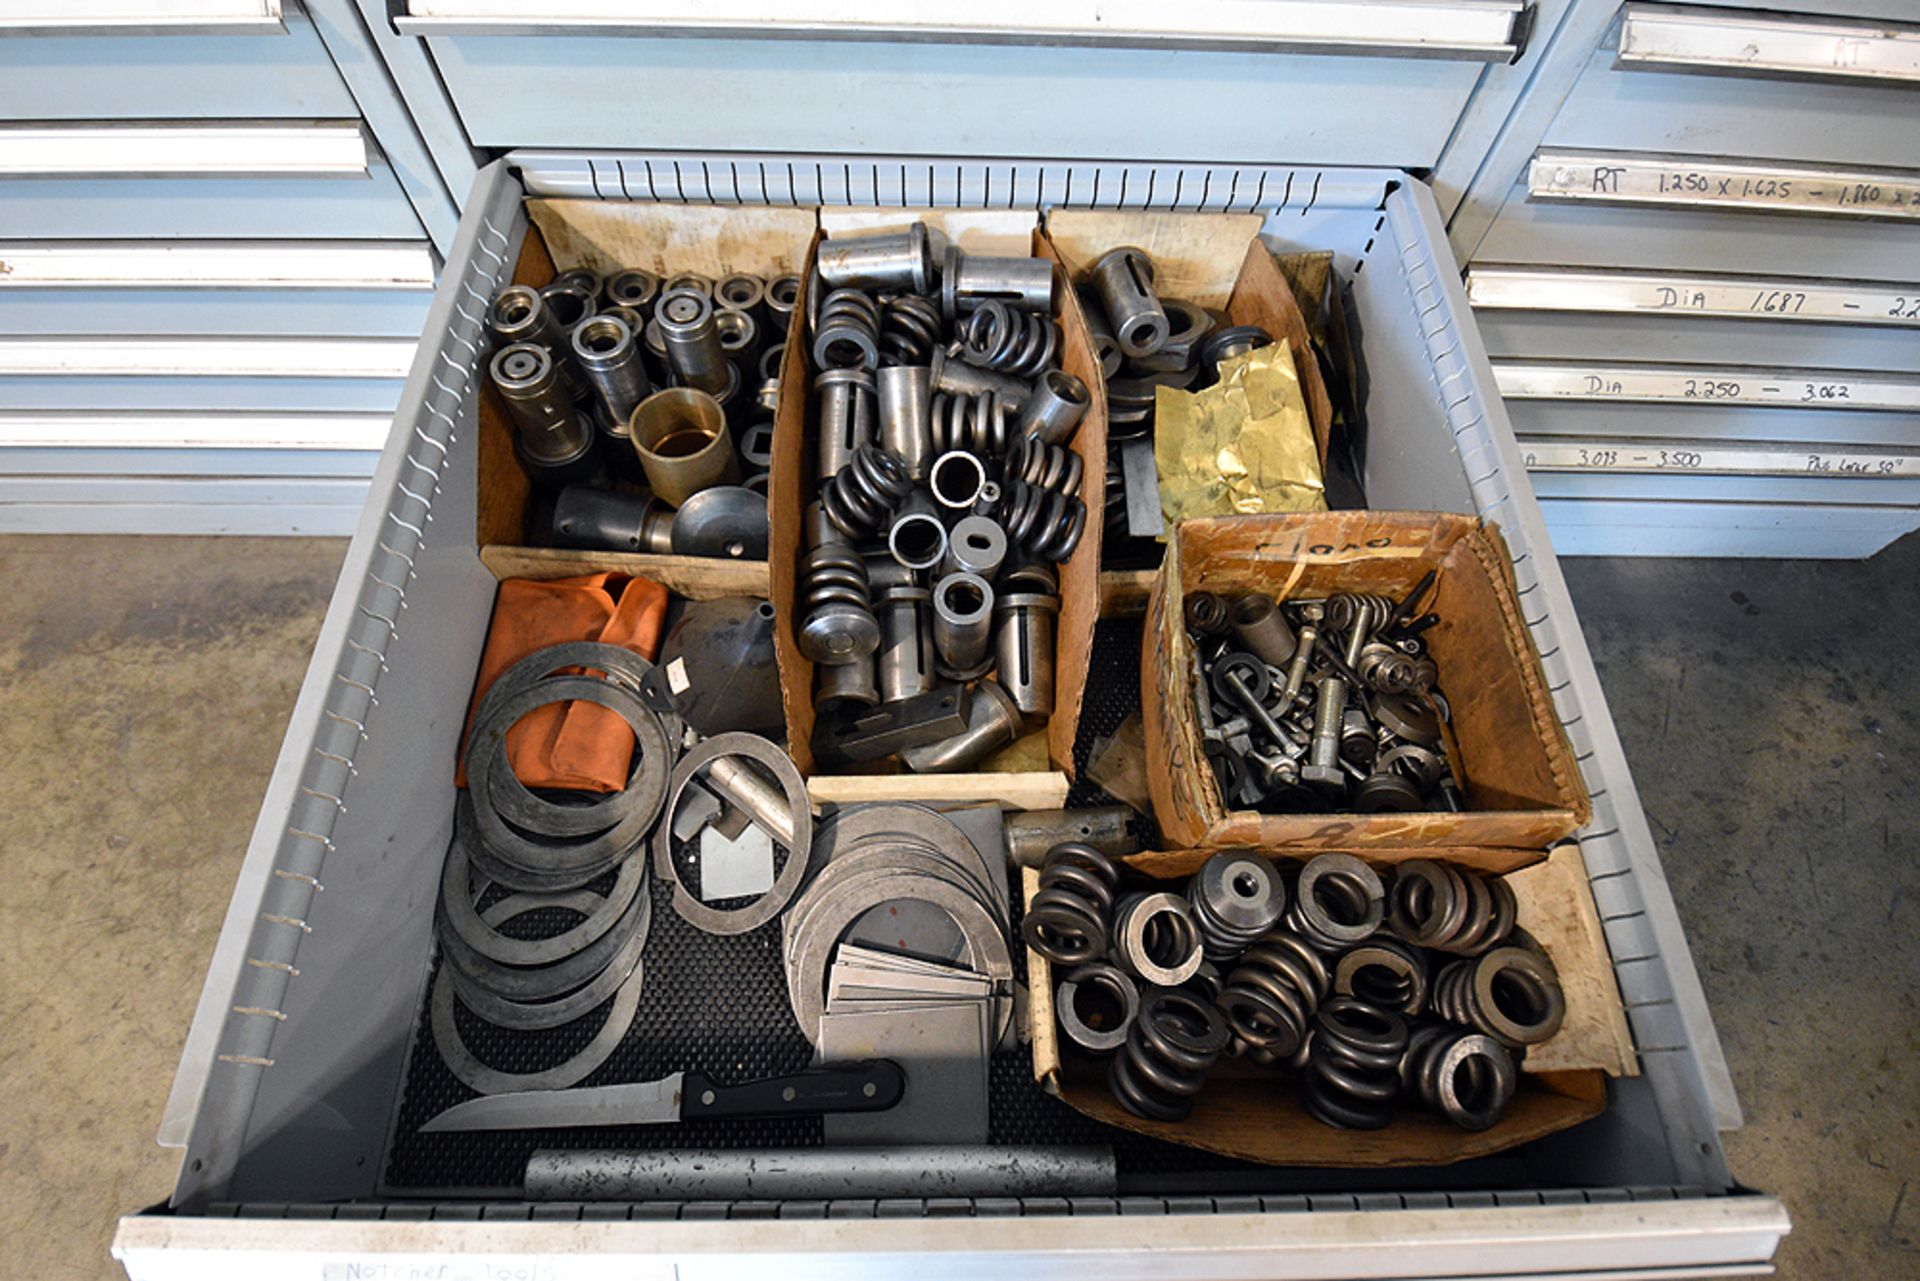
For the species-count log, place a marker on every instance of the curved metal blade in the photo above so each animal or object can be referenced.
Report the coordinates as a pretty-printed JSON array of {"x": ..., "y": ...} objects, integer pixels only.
[{"x": 641, "y": 1103}]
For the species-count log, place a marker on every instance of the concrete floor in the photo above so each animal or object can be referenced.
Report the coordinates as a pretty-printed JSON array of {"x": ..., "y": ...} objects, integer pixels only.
[{"x": 1770, "y": 711}]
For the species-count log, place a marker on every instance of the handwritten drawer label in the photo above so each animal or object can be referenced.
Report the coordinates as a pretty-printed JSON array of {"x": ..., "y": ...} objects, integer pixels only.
[{"x": 1689, "y": 182}]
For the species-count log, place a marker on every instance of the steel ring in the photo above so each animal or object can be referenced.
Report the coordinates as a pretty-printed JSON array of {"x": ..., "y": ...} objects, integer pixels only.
[
  {"x": 815, "y": 950},
  {"x": 544, "y": 982},
  {"x": 1363, "y": 878},
  {"x": 457, "y": 901},
  {"x": 520, "y": 1016},
  {"x": 518, "y": 803},
  {"x": 848, "y": 831},
  {"x": 769, "y": 905},
  {"x": 488, "y": 749},
  {"x": 475, "y": 1075},
  {"x": 1110, "y": 979},
  {"x": 1542, "y": 985},
  {"x": 1498, "y": 1092}
]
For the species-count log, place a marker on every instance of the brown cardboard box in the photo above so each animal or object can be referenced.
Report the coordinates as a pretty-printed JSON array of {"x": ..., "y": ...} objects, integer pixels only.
[
  {"x": 1523, "y": 788},
  {"x": 1215, "y": 260},
  {"x": 1036, "y": 768},
  {"x": 606, "y": 236},
  {"x": 1257, "y": 1115}
]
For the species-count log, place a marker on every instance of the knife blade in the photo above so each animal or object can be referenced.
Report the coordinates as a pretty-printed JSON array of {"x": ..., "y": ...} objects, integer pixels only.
[{"x": 872, "y": 1085}]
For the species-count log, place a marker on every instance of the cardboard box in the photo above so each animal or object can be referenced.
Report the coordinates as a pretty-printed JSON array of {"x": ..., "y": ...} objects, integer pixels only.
[
  {"x": 1256, "y": 1114},
  {"x": 1039, "y": 765},
  {"x": 1523, "y": 788},
  {"x": 1215, "y": 260},
  {"x": 607, "y": 236}
]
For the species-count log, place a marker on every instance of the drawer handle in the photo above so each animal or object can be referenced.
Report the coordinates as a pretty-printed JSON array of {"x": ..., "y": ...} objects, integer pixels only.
[
  {"x": 1686, "y": 296},
  {"x": 1466, "y": 30},
  {"x": 230, "y": 149},
  {"x": 1707, "y": 385},
  {"x": 152, "y": 264},
  {"x": 142, "y": 17},
  {"x": 1695, "y": 182},
  {"x": 1659, "y": 37}
]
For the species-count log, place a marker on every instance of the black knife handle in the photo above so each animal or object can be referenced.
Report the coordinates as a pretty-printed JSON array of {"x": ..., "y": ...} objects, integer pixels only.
[{"x": 870, "y": 1086}]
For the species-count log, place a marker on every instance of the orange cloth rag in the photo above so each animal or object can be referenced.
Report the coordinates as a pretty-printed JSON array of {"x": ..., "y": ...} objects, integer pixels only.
[{"x": 578, "y": 746}]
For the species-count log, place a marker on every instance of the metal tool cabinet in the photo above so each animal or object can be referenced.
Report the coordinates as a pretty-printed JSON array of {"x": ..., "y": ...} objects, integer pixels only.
[
  {"x": 287, "y": 1087},
  {"x": 1693, "y": 257},
  {"x": 220, "y": 225}
]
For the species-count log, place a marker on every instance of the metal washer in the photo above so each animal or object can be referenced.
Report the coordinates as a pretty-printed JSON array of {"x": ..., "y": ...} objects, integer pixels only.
[
  {"x": 792, "y": 874},
  {"x": 477, "y": 1076},
  {"x": 540, "y": 1016}
]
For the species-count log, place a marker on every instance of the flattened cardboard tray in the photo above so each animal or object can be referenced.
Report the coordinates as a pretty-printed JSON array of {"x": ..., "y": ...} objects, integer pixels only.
[
  {"x": 1035, "y": 769},
  {"x": 1254, "y": 1115},
  {"x": 1523, "y": 788}
]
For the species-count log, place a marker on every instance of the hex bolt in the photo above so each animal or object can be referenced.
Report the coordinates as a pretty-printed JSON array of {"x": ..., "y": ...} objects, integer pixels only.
[
  {"x": 1302, "y": 659},
  {"x": 1323, "y": 765}
]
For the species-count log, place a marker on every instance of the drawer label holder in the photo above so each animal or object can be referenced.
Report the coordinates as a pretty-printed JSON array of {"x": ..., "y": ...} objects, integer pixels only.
[
  {"x": 1686, "y": 182},
  {"x": 1702, "y": 459},
  {"x": 1681, "y": 294},
  {"x": 1703, "y": 385}
]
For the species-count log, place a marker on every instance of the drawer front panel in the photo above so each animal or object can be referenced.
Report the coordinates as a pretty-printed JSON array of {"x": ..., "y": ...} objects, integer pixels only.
[
  {"x": 1602, "y": 528},
  {"x": 1636, "y": 339},
  {"x": 373, "y": 207},
  {"x": 344, "y": 395},
  {"x": 173, "y": 77},
  {"x": 1685, "y": 240},
  {"x": 800, "y": 96},
  {"x": 106, "y": 312},
  {"x": 1740, "y": 117}
]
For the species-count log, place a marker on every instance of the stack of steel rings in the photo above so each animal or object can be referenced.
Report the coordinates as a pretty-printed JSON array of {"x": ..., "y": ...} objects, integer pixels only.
[
  {"x": 1368, "y": 992},
  {"x": 902, "y": 878},
  {"x": 948, "y": 493},
  {"x": 544, "y": 910},
  {"x": 1310, "y": 706},
  {"x": 1143, "y": 342},
  {"x": 667, "y": 384}
]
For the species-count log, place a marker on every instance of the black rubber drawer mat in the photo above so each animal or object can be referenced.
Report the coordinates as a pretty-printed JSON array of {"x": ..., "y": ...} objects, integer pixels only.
[{"x": 719, "y": 1005}]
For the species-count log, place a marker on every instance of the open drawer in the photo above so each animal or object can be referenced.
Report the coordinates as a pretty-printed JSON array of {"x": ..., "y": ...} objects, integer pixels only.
[{"x": 286, "y": 1097}]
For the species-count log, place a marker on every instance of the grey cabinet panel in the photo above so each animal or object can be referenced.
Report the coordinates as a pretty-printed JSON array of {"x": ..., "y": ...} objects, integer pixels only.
[
  {"x": 1659, "y": 111},
  {"x": 928, "y": 99},
  {"x": 176, "y": 77}
]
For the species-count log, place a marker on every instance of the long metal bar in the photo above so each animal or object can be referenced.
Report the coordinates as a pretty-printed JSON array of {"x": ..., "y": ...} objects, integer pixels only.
[
  {"x": 193, "y": 430},
  {"x": 1483, "y": 30},
  {"x": 320, "y": 148},
  {"x": 1705, "y": 458},
  {"x": 1681, "y": 294},
  {"x": 1706, "y": 385},
  {"x": 1695, "y": 182},
  {"x": 139, "y": 17},
  {"x": 206, "y": 357},
  {"x": 158, "y": 264},
  {"x": 1665, "y": 37}
]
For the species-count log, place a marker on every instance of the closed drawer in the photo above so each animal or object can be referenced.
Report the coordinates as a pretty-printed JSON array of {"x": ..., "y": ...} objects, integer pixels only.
[
  {"x": 1658, "y": 109},
  {"x": 119, "y": 72},
  {"x": 1382, "y": 82},
  {"x": 372, "y": 207},
  {"x": 1627, "y": 316},
  {"x": 287, "y": 1092},
  {"x": 1699, "y": 239}
]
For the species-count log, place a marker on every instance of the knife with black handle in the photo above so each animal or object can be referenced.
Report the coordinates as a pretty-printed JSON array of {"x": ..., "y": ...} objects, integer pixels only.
[{"x": 869, "y": 1086}]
